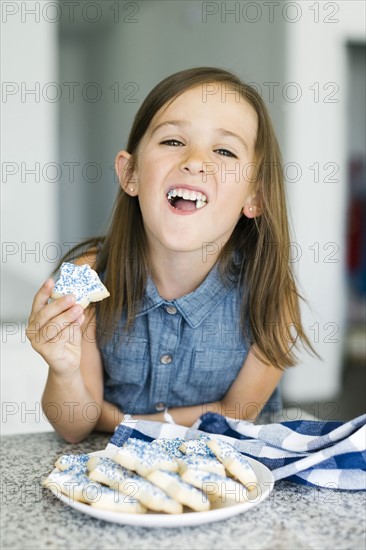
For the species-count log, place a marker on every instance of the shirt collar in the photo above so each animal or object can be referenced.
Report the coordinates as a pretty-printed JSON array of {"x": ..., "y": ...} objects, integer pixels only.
[{"x": 196, "y": 305}]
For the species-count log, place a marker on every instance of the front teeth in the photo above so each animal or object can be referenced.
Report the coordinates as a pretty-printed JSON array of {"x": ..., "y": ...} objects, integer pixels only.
[{"x": 200, "y": 198}]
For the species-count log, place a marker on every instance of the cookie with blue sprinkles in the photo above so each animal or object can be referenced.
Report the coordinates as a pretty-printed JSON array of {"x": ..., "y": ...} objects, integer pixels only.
[
  {"x": 219, "y": 488},
  {"x": 234, "y": 462},
  {"x": 170, "y": 446},
  {"x": 153, "y": 497},
  {"x": 73, "y": 483},
  {"x": 143, "y": 458},
  {"x": 108, "y": 472},
  {"x": 177, "y": 488},
  {"x": 199, "y": 462},
  {"x": 197, "y": 447},
  {"x": 67, "y": 461},
  {"x": 167, "y": 475},
  {"x": 81, "y": 281}
]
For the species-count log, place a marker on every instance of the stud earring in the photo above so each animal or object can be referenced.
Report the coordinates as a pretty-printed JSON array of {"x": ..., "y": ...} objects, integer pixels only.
[
  {"x": 250, "y": 209},
  {"x": 132, "y": 188}
]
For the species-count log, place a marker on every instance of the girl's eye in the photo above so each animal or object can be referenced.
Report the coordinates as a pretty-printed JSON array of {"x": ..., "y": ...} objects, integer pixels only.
[
  {"x": 172, "y": 142},
  {"x": 225, "y": 153}
]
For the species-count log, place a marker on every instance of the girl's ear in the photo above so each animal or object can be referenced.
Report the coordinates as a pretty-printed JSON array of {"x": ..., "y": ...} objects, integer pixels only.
[
  {"x": 125, "y": 173},
  {"x": 252, "y": 208}
]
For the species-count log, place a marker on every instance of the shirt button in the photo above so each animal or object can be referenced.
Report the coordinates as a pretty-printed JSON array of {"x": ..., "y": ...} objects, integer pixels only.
[
  {"x": 171, "y": 310},
  {"x": 160, "y": 406},
  {"x": 166, "y": 359}
]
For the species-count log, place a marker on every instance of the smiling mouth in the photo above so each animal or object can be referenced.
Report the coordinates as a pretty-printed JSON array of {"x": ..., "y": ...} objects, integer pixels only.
[{"x": 186, "y": 200}]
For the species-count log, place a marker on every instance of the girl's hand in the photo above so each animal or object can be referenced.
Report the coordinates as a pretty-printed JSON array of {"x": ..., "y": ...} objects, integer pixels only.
[{"x": 54, "y": 329}]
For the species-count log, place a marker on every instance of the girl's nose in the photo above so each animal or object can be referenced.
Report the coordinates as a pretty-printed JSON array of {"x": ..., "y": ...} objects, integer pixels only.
[{"x": 193, "y": 162}]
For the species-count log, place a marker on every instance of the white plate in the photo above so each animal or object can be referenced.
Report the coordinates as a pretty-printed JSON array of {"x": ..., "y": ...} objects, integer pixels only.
[{"x": 153, "y": 519}]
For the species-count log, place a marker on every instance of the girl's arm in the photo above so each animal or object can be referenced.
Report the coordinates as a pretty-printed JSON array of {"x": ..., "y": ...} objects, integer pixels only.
[
  {"x": 252, "y": 388},
  {"x": 73, "y": 395},
  {"x": 72, "y": 400}
]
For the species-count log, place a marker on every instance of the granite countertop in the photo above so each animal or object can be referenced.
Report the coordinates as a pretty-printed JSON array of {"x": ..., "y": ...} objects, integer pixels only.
[{"x": 293, "y": 517}]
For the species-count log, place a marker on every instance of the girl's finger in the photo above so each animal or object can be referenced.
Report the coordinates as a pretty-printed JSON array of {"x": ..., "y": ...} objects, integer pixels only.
[
  {"x": 55, "y": 326},
  {"x": 42, "y": 297},
  {"x": 53, "y": 309}
]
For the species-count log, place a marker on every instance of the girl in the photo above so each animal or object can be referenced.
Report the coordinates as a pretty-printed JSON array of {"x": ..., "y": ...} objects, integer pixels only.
[{"x": 197, "y": 265}]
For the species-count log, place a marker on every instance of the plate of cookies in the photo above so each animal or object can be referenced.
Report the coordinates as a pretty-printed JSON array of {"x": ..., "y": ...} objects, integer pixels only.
[{"x": 163, "y": 483}]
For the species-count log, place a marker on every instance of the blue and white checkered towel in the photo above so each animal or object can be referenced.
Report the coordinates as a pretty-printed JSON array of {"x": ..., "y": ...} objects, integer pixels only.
[{"x": 324, "y": 454}]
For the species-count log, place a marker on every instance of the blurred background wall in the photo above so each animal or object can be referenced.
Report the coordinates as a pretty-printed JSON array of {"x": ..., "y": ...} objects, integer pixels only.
[{"x": 74, "y": 75}]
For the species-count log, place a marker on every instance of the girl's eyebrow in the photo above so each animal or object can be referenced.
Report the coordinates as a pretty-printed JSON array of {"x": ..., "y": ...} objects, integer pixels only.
[
  {"x": 225, "y": 133},
  {"x": 180, "y": 123}
]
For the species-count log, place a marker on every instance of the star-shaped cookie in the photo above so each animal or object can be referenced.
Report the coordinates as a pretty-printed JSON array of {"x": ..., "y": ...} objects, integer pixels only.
[{"x": 81, "y": 281}]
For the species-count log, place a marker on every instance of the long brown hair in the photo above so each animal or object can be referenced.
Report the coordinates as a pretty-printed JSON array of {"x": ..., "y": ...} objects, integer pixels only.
[{"x": 269, "y": 293}]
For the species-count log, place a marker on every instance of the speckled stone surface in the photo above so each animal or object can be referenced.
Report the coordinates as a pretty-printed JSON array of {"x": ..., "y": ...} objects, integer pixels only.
[{"x": 293, "y": 517}]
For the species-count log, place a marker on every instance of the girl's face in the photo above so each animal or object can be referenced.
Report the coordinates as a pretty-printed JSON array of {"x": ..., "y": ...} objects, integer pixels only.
[{"x": 193, "y": 171}]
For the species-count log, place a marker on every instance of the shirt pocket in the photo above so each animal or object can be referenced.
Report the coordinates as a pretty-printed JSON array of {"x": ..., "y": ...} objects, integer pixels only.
[
  {"x": 214, "y": 370},
  {"x": 127, "y": 364}
]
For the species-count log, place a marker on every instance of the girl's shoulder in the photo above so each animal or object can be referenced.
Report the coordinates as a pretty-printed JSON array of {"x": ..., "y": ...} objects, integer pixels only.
[{"x": 89, "y": 257}]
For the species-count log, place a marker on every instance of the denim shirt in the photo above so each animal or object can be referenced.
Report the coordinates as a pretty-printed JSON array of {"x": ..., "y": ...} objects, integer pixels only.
[{"x": 182, "y": 352}]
